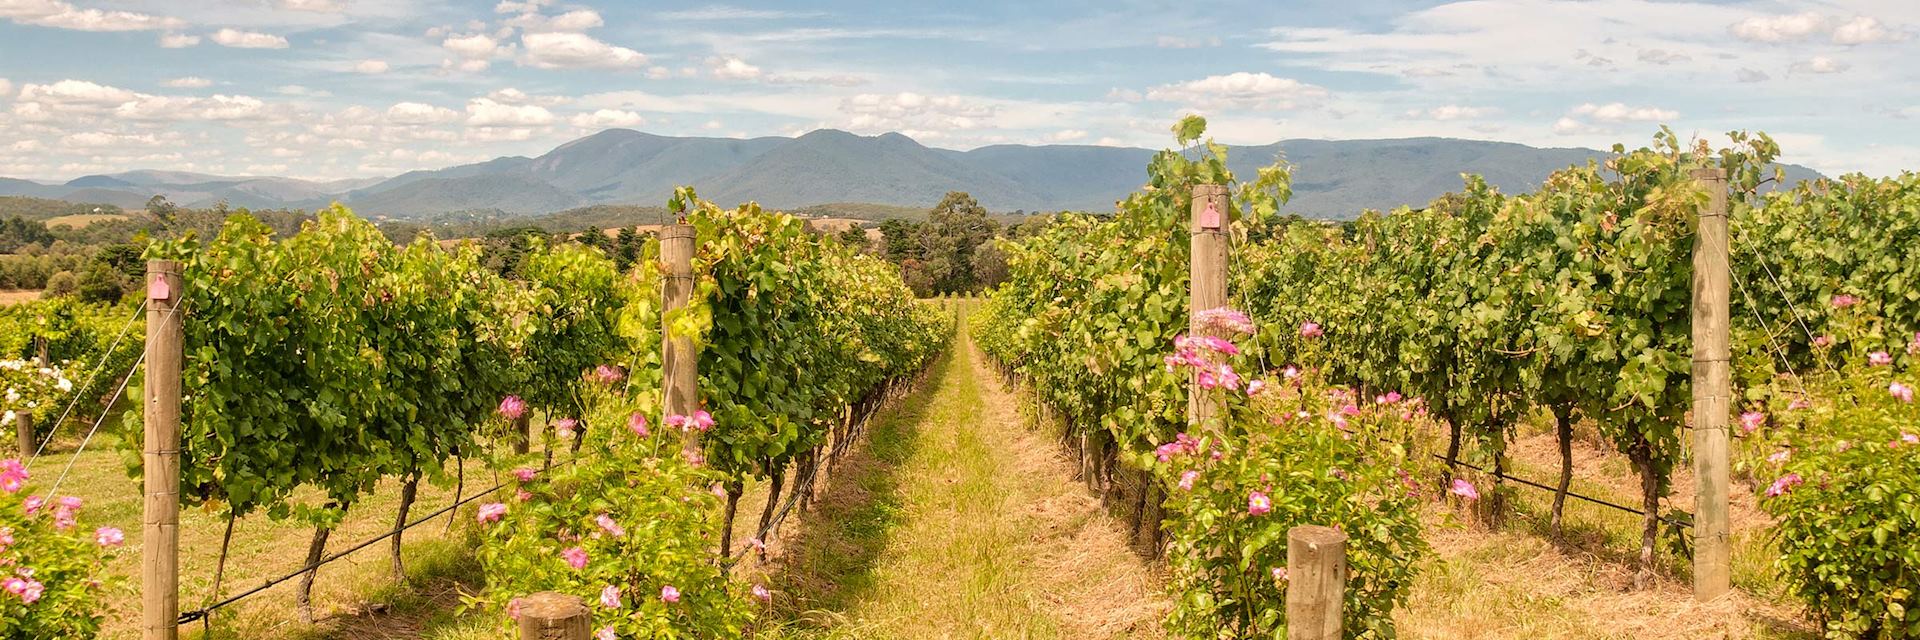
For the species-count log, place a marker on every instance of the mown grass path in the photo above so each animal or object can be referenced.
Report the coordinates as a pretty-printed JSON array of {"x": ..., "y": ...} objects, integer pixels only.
[{"x": 957, "y": 520}]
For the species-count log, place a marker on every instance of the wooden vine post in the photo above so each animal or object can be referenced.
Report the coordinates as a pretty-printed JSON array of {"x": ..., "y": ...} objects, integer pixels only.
[
  {"x": 160, "y": 528},
  {"x": 23, "y": 425},
  {"x": 1207, "y": 286},
  {"x": 1712, "y": 390},
  {"x": 678, "y": 360},
  {"x": 553, "y": 616},
  {"x": 1316, "y": 582}
]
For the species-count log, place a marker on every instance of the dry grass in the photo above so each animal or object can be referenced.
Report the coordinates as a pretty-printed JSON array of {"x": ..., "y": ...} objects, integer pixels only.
[
  {"x": 8, "y": 297},
  {"x": 957, "y": 521},
  {"x": 82, "y": 220},
  {"x": 1517, "y": 582},
  {"x": 355, "y": 597}
]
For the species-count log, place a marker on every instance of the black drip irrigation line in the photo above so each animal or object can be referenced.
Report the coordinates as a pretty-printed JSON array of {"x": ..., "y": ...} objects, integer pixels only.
[
  {"x": 1678, "y": 523},
  {"x": 1687, "y": 524},
  {"x": 202, "y": 612}
]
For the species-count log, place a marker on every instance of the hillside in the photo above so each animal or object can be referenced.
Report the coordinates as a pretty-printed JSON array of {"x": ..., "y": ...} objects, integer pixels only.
[{"x": 1334, "y": 179}]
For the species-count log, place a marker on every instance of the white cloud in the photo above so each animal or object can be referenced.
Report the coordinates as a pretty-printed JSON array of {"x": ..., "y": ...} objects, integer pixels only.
[
  {"x": 174, "y": 108},
  {"x": 1620, "y": 112},
  {"x": 511, "y": 95},
  {"x": 314, "y": 6},
  {"x": 1820, "y": 65},
  {"x": 577, "y": 51},
  {"x": 1177, "y": 42},
  {"x": 908, "y": 110},
  {"x": 102, "y": 140},
  {"x": 659, "y": 73},
  {"x": 486, "y": 112},
  {"x": 465, "y": 66},
  {"x": 1066, "y": 135},
  {"x": 1241, "y": 90},
  {"x": 1802, "y": 26},
  {"x": 1571, "y": 127},
  {"x": 575, "y": 21},
  {"x": 248, "y": 39},
  {"x": 1751, "y": 75},
  {"x": 418, "y": 113},
  {"x": 1452, "y": 112},
  {"x": 178, "y": 41},
  {"x": 76, "y": 93},
  {"x": 525, "y": 6},
  {"x": 63, "y": 15},
  {"x": 6, "y": 88},
  {"x": 604, "y": 118},
  {"x": 372, "y": 67},
  {"x": 732, "y": 68},
  {"x": 1776, "y": 29},
  {"x": 189, "y": 82},
  {"x": 478, "y": 46},
  {"x": 1864, "y": 30}
]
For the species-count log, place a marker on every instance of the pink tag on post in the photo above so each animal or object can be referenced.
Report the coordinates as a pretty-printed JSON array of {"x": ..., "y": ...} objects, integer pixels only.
[
  {"x": 158, "y": 289},
  {"x": 1210, "y": 217}
]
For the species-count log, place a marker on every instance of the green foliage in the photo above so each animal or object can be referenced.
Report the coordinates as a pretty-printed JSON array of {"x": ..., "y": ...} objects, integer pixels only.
[
  {"x": 1847, "y": 505},
  {"x": 663, "y": 520},
  {"x": 56, "y": 575}
]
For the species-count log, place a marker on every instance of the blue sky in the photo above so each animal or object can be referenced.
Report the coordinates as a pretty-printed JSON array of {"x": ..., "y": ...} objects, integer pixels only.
[{"x": 327, "y": 89}]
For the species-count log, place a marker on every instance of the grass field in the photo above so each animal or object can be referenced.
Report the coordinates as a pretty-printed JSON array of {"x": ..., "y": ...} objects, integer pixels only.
[{"x": 82, "y": 220}]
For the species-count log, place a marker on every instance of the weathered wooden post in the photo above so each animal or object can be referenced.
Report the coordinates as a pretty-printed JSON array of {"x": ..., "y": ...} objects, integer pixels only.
[
  {"x": 679, "y": 362},
  {"x": 1316, "y": 582},
  {"x": 554, "y": 616},
  {"x": 1712, "y": 391},
  {"x": 160, "y": 529},
  {"x": 23, "y": 423},
  {"x": 1207, "y": 285}
]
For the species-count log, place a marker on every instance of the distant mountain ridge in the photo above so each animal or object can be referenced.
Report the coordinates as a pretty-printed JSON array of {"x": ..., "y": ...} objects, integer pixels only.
[{"x": 1332, "y": 178}]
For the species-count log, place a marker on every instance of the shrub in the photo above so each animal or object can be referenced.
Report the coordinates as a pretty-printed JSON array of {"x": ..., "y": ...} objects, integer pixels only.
[
  {"x": 627, "y": 529},
  {"x": 1292, "y": 452},
  {"x": 54, "y": 568},
  {"x": 1847, "y": 499}
]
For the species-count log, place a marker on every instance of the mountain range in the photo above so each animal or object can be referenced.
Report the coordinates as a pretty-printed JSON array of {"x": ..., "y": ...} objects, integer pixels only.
[{"x": 1332, "y": 178}]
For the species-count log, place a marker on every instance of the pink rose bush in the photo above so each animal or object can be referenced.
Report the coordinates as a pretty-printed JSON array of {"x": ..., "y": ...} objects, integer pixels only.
[
  {"x": 633, "y": 519},
  {"x": 52, "y": 571},
  {"x": 1293, "y": 452}
]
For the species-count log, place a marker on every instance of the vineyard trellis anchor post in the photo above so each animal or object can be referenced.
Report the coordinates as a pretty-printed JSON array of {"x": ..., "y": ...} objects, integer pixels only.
[
  {"x": 681, "y": 395},
  {"x": 160, "y": 528},
  {"x": 1316, "y": 582},
  {"x": 553, "y": 616},
  {"x": 1207, "y": 284},
  {"x": 23, "y": 427},
  {"x": 1712, "y": 390}
]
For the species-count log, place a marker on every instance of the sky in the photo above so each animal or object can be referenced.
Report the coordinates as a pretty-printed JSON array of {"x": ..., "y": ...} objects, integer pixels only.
[{"x": 334, "y": 89}]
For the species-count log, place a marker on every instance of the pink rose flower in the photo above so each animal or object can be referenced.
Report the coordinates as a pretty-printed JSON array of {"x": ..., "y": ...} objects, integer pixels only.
[
  {"x": 1879, "y": 358},
  {"x": 491, "y": 512},
  {"x": 13, "y": 476},
  {"x": 1258, "y": 504},
  {"x": 760, "y": 593},
  {"x": 608, "y": 525},
  {"x": 610, "y": 597},
  {"x": 1187, "y": 478},
  {"x": 605, "y": 633},
  {"x": 512, "y": 407},
  {"x": 524, "y": 474},
  {"x": 1311, "y": 330},
  {"x": 1784, "y": 485},
  {"x": 1901, "y": 391},
  {"x": 1843, "y": 301},
  {"x": 1464, "y": 489},
  {"x": 564, "y": 427},
  {"x": 637, "y": 423},
  {"x": 108, "y": 537},
  {"x": 669, "y": 594},
  {"x": 576, "y": 557}
]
